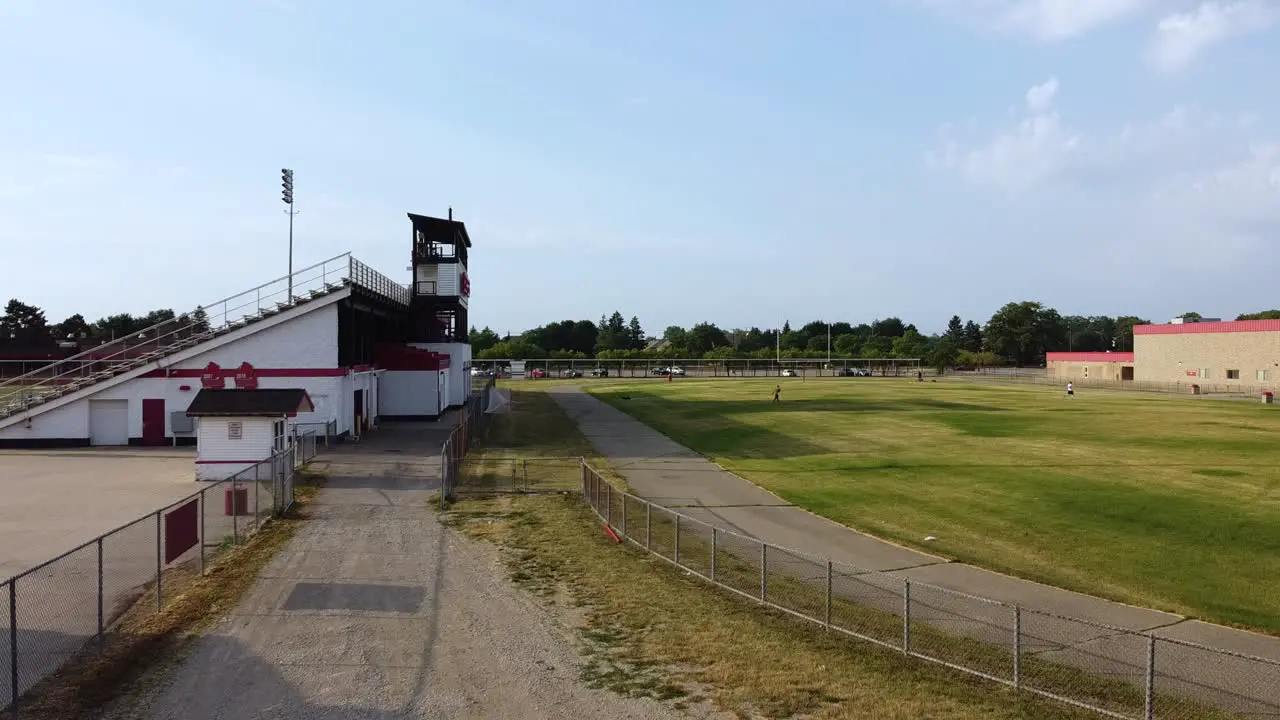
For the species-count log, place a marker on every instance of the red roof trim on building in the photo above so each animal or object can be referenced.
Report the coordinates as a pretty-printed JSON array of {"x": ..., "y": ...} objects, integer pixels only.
[
  {"x": 1228, "y": 326},
  {"x": 1112, "y": 357}
]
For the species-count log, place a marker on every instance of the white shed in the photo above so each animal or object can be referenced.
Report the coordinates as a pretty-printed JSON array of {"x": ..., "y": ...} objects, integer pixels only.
[{"x": 237, "y": 429}]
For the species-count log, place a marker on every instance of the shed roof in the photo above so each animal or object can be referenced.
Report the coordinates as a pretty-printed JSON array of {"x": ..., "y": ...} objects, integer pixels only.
[{"x": 250, "y": 403}]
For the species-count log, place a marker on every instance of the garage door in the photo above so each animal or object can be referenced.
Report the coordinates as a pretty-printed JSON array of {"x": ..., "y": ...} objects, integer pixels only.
[{"x": 108, "y": 422}]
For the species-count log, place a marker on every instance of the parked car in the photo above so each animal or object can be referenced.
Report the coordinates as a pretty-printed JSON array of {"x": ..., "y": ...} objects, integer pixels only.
[
  {"x": 789, "y": 373},
  {"x": 599, "y": 372},
  {"x": 659, "y": 371},
  {"x": 537, "y": 373},
  {"x": 571, "y": 373},
  {"x": 674, "y": 370},
  {"x": 851, "y": 372}
]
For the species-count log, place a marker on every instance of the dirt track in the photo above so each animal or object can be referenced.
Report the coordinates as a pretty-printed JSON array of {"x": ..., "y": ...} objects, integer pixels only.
[{"x": 375, "y": 610}]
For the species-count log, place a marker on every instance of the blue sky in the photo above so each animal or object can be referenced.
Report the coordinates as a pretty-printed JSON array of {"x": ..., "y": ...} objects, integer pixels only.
[{"x": 742, "y": 162}]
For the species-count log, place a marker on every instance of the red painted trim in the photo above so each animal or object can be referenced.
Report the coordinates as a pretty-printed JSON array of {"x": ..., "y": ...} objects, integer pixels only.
[
  {"x": 1106, "y": 357},
  {"x": 1226, "y": 326},
  {"x": 230, "y": 462},
  {"x": 260, "y": 372}
]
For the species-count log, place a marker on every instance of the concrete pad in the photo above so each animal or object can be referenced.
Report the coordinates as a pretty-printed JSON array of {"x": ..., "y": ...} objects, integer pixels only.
[
  {"x": 56, "y": 500},
  {"x": 1217, "y": 636}
]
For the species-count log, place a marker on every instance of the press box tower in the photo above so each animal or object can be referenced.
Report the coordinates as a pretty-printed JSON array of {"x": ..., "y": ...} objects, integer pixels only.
[{"x": 441, "y": 288}]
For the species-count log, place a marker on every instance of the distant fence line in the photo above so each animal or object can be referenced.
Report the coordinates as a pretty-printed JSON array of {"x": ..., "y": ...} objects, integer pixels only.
[
  {"x": 1112, "y": 671},
  {"x": 53, "y": 612},
  {"x": 710, "y": 367},
  {"x": 1040, "y": 376}
]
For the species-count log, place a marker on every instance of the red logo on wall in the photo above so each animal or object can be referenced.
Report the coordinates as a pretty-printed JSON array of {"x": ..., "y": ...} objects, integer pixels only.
[
  {"x": 1193, "y": 373},
  {"x": 466, "y": 285},
  {"x": 246, "y": 377},
  {"x": 211, "y": 377}
]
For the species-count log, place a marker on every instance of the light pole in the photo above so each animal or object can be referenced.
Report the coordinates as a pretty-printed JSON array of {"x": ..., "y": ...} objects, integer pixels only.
[{"x": 286, "y": 194}]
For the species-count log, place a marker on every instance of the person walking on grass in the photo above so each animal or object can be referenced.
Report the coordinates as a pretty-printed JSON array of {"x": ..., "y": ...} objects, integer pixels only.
[
  {"x": 777, "y": 390},
  {"x": 1071, "y": 390}
]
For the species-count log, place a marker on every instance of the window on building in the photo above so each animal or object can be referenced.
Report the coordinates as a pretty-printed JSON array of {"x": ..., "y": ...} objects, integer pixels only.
[
  {"x": 1233, "y": 374},
  {"x": 277, "y": 432},
  {"x": 1262, "y": 376},
  {"x": 1204, "y": 373},
  {"x": 1086, "y": 371}
]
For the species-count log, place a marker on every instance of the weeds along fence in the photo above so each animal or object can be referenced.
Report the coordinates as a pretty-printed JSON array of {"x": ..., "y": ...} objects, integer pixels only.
[
  {"x": 69, "y": 605},
  {"x": 1112, "y": 671}
]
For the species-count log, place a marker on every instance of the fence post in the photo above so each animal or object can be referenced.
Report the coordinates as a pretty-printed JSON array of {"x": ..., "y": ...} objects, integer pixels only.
[
  {"x": 159, "y": 565},
  {"x": 101, "y": 615},
  {"x": 608, "y": 507},
  {"x": 764, "y": 572},
  {"x": 906, "y": 617},
  {"x": 201, "y": 505},
  {"x": 235, "y": 511},
  {"x": 13, "y": 644},
  {"x": 677, "y": 552},
  {"x": 828, "y": 608},
  {"x": 714, "y": 537},
  {"x": 624, "y": 515},
  {"x": 1151, "y": 678},
  {"x": 1017, "y": 647},
  {"x": 648, "y": 525}
]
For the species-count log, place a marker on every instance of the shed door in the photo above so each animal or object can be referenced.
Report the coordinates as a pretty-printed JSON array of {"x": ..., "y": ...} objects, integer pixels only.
[{"x": 108, "y": 422}]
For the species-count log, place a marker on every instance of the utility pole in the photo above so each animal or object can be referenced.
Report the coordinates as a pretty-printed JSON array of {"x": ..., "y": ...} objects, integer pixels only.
[
  {"x": 828, "y": 343},
  {"x": 286, "y": 194}
]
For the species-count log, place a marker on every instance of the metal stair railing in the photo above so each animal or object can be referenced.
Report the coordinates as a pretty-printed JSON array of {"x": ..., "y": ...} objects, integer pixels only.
[
  {"x": 71, "y": 374},
  {"x": 374, "y": 281}
]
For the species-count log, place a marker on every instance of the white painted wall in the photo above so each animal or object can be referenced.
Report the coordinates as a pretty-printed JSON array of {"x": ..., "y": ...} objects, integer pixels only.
[
  {"x": 446, "y": 276},
  {"x": 410, "y": 392},
  {"x": 306, "y": 341},
  {"x": 214, "y": 449},
  {"x": 459, "y": 382}
]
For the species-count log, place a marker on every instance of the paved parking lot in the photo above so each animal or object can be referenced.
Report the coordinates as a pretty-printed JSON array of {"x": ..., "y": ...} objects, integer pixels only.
[{"x": 54, "y": 500}]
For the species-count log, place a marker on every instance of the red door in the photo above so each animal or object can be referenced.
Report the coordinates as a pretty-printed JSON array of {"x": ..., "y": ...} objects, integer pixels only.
[{"x": 153, "y": 421}]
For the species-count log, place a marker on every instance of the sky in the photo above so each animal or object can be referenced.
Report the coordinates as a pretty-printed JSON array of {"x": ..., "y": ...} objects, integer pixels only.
[{"x": 743, "y": 162}]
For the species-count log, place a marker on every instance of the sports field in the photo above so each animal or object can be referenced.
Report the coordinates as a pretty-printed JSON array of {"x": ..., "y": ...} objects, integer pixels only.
[{"x": 1167, "y": 502}]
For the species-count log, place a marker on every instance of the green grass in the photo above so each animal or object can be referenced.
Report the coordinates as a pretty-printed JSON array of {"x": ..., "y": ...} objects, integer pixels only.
[{"x": 1171, "y": 503}]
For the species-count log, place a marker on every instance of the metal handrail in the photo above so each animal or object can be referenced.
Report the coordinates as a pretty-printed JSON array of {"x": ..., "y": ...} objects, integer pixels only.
[{"x": 322, "y": 277}]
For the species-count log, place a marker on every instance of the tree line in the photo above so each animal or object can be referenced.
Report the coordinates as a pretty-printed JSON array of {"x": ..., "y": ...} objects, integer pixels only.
[
  {"x": 1019, "y": 333},
  {"x": 24, "y": 328}
]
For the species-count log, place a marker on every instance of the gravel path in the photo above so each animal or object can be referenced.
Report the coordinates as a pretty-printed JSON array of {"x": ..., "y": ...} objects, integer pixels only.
[{"x": 375, "y": 610}]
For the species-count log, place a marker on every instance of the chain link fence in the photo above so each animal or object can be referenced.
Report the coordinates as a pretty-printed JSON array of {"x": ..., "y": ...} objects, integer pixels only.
[
  {"x": 1044, "y": 377},
  {"x": 70, "y": 604},
  {"x": 472, "y": 423},
  {"x": 1112, "y": 671}
]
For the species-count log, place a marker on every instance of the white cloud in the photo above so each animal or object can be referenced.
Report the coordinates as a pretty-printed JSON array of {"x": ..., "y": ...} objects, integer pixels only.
[
  {"x": 1038, "y": 147},
  {"x": 1177, "y": 184},
  {"x": 1041, "y": 96},
  {"x": 1042, "y": 20},
  {"x": 1182, "y": 37}
]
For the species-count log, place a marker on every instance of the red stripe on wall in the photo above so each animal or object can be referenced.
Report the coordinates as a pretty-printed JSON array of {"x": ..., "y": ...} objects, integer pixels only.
[
  {"x": 1113, "y": 357},
  {"x": 1228, "y": 326},
  {"x": 260, "y": 372}
]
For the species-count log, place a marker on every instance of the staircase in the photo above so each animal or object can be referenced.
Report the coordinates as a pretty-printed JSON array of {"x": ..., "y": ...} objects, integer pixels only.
[{"x": 206, "y": 322}]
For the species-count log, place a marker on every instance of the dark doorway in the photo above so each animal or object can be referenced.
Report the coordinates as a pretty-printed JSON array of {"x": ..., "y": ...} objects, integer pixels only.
[
  {"x": 358, "y": 404},
  {"x": 153, "y": 421},
  {"x": 1126, "y": 373}
]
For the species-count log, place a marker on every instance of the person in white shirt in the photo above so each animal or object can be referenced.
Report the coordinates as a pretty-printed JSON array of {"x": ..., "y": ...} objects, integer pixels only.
[{"x": 1071, "y": 390}]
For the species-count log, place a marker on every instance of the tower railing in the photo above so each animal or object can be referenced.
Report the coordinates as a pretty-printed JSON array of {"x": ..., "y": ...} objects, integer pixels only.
[{"x": 154, "y": 343}]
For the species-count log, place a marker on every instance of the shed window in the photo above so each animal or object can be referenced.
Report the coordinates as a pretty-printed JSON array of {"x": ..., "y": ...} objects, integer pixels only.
[
  {"x": 277, "y": 434},
  {"x": 235, "y": 430},
  {"x": 1233, "y": 374}
]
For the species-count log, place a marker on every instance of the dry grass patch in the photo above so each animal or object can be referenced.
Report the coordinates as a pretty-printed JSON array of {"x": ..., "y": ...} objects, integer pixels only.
[
  {"x": 143, "y": 640},
  {"x": 652, "y": 629}
]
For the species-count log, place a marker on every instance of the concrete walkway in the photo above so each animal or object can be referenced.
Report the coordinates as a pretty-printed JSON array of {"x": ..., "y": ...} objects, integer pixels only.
[
  {"x": 669, "y": 474},
  {"x": 376, "y": 610}
]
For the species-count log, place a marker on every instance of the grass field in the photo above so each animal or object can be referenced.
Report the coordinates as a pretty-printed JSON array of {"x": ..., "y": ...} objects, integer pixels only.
[{"x": 1171, "y": 503}]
